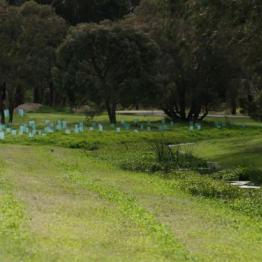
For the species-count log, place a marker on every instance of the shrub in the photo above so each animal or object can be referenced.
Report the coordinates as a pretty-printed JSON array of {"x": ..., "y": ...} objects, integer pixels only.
[
  {"x": 252, "y": 174},
  {"x": 206, "y": 187},
  {"x": 162, "y": 158},
  {"x": 83, "y": 145},
  {"x": 142, "y": 166},
  {"x": 177, "y": 157},
  {"x": 228, "y": 174},
  {"x": 163, "y": 153}
]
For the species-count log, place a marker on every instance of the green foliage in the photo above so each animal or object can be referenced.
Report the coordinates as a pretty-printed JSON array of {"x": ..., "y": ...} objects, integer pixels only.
[
  {"x": 143, "y": 165},
  {"x": 245, "y": 174},
  {"x": 82, "y": 145},
  {"x": 163, "y": 158},
  {"x": 253, "y": 174},
  {"x": 106, "y": 64},
  {"x": 245, "y": 201},
  {"x": 29, "y": 36},
  {"x": 200, "y": 67},
  {"x": 207, "y": 187},
  {"x": 229, "y": 174},
  {"x": 86, "y": 11}
]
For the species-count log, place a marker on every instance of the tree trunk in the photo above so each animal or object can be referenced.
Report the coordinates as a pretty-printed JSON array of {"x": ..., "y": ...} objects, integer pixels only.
[
  {"x": 52, "y": 94},
  {"x": 2, "y": 116},
  {"x": 182, "y": 104},
  {"x": 171, "y": 114},
  {"x": 36, "y": 95},
  {"x": 11, "y": 114},
  {"x": 2, "y": 101},
  {"x": 111, "y": 110},
  {"x": 205, "y": 113},
  {"x": 19, "y": 96},
  {"x": 233, "y": 107}
]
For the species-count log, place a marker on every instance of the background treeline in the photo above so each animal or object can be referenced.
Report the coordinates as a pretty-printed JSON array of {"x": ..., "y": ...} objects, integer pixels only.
[{"x": 186, "y": 57}]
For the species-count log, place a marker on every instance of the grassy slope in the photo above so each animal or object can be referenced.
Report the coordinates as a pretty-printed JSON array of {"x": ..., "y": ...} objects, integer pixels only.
[
  {"x": 233, "y": 152},
  {"x": 66, "y": 221},
  {"x": 77, "y": 207},
  {"x": 66, "y": 205}
]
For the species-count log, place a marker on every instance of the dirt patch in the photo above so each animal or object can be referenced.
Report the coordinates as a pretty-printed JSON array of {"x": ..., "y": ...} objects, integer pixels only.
[{"x": 30, "y": 107}]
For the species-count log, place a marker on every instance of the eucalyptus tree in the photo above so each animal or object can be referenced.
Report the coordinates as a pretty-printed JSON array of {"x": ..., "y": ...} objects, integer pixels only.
[
  {"x": 29, "y": 36},
  {"x": 11, "y": 63},
  {"x": 107, "y": 64},
  {"x": 194, "y": 71},
  {"x": 43, "y": 31},
  {"x": 81, "y": 11},
  {"x": 208, "y": 49}
]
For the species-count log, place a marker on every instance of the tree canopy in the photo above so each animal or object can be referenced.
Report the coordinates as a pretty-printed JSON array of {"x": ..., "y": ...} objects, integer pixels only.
[
  {"x": 29, "y": 37},
  {"x": 109, "y": 64},
  {"x": 208, "y": 58}
]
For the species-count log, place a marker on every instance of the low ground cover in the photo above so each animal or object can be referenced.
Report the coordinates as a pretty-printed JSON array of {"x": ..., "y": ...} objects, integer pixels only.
[{"x": 105, "y": 196}]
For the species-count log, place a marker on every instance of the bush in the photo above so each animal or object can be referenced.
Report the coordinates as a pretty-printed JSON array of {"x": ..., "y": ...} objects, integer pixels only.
[
  {"x": 177, "y": 157},
  {"x": 162, "y": 158},
  {"x": 143, "y": 166},
  {"x": 206, "y": 187},
  {"x": 83, "y": 145},
  {"x": 250, "y": 174},
  {"x": 228, "y": 174}
]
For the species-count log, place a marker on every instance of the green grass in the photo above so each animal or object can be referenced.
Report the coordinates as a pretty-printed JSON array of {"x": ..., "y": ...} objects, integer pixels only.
[
  {"x": 65, "y": 197},
  {"x": 233, "y": 152},
  {"x": 81, "y": 208},
  {"x": 70, "y": 217}
]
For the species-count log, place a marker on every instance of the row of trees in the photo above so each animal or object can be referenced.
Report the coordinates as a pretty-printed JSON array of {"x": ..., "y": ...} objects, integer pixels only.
[
  {"x": 212, "y": 54},
  {"x": 86, "y": 11},
  {"x": 186, "y": 57}
]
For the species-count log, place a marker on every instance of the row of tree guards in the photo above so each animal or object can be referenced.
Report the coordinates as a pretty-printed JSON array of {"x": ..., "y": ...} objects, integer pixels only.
[{"x": 31, "y": 129}]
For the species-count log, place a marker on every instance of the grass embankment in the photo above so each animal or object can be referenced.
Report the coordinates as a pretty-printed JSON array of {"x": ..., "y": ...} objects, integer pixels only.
[
  {"x": 73, "y": 202},
  {"x": 79, "y": 208},
  {"x": 69, "y": 216}
]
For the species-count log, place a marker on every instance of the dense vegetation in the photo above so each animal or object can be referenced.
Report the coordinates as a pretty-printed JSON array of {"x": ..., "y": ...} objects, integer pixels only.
[{"x": 184, "y": 57}]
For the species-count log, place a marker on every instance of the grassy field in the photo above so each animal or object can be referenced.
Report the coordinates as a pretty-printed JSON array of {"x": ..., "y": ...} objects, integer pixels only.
[{"x": 67, "y": 198}]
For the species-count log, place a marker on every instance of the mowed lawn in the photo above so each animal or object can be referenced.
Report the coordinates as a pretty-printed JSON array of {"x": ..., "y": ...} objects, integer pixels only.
[{"x": 59, "y": 204}]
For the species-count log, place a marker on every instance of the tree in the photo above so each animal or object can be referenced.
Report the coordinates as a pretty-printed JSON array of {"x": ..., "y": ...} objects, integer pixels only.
[
  {"x": 209, "y": 49},
  {"x": 108, "y": 63},
  {"x": 82, "y": 11},
  {"x": 43, "y": 31},
  {"x": 29, "y": 36},
  {"x": 11, "y": 62},
  {"x": 194, "y": 68}
]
